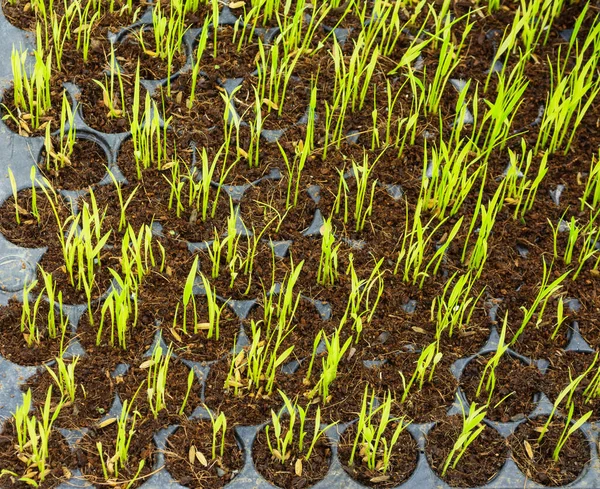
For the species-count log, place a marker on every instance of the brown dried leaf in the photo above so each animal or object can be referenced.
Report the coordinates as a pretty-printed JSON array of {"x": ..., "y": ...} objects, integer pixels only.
[
  {"x": 298, "y": 467},
  {"x": 175, "y": 334}
]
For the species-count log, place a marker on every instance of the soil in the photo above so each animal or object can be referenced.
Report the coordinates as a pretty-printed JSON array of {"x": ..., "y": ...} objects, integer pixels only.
[
  {"x": 402, "y": 463},
  {"x": 291, "y": 473},
  {"x": 87, "y": 166},
  {"x": 515, "y": 381},
  {"x": 31, "y": 233},
  {"x": 94, "y": 394},
  {"x": 142, "y": 448},
  {"x": 135, "y": 381},
  {"x": 537, "y": 461},
  {"x": 14, "y": 345},
  {"x": 482, "y": 460},
  {"x": 152, "y": 67},
  {"x": 195, "y": 474}
]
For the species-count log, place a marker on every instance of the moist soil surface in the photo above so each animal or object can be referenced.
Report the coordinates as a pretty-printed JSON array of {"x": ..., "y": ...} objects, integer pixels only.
[
  {"x": 189, "y": 456},
  {"x": 536, "y": 458},
  {"x": 397, "y": 321},
  {"x": 61, "y": 461},
  {"x": 479, "y": 463},
  {"x": 402, "y": 463},
  {"x": 290, "y": 472}
]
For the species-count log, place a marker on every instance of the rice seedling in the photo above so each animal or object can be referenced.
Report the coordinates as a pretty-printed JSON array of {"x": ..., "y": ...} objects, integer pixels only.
[
  {"x": 255, "y": 367},
  {"x": 427, "y": 361},
  {"x": 168, "y": 32},
  {"x": 377, "y": 432},
  {"x": 273, "y": 76},
  {"x": 479, "y": 252},
  {"x": 113, "y": 89},
  {"x": 569, "y": 430},
  {"x": 560, "y": 318},
  {"x": 31, "y": 93},
  {"x": 58, "y": 158},
  {"x": 33, "y": 326},
  {"x": 449, "y": 58},
  {"x": 364, "y": 297},
  {"x": 416, "y": 242},
  {"x": 150, "y": 137},
  {"x": 521, "y": 190},
  {"x": 328, "y": 264},
  {"x": 454, "y": 308},
  {"x": 568, "y": 393},
  {"x": 190, "y": 384},
  {"x": 123, "y": 204},
  {"x": 202, "y": 40},
  {"x": 15, "y": 193},
  {"x": 119, "y": 310},
  {"x": 156, "y": 379},
  {"x": 289, "y": 430},
  {"x": 585, "y": 236},
  {"x": 65, "y": 378},
  {"x": 592, "y": 390},
  {"x": 116, "y": 457},
  {"x": 546, "y": 290},
  {"x": 488, "y": 376},
  {"x": 591, "y": 193},
  {"x": 448, "y": 177},
  {"x": 280, "y": 308},
  {"x": 471, "y": 428},
  {"x": 330, "y": 364},
  {"x": 137, "y": 254},
  {"x": 33, "y": 436},
  {"x": 219, "y": 425},
  {"x": 570, "y": 97},
  {"x": 502, "y": 111}
]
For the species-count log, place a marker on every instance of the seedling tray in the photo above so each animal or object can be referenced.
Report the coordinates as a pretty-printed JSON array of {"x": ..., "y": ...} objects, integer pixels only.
[{"x": 18, "y": 267}]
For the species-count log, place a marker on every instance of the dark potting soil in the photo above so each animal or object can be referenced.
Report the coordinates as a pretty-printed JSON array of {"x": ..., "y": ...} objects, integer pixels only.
[
  {"x": 515, "y": 381},
  {"x": 295, "y": 471},
  {"x": 189, "y": 456},
  {"x": 402, "y": 462},
  {"x": 141, "y": 454},
  {"x": 59, "y": 465},
  {"x": 478, "y": 465},
  {"x": 94, "y": 393},
  {"x": 535, "y": 459}
]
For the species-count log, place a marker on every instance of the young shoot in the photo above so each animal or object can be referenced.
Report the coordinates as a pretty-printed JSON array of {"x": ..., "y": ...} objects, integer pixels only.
[
  {"x": 427, "y": 361},
  {"x": 289, "y": 430},
  {"x": 328, "y": 264},
  {"x": 330, "y": 364},
  {"x": 377, "y": 432},
  {"x": 471, "y": 429}
]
